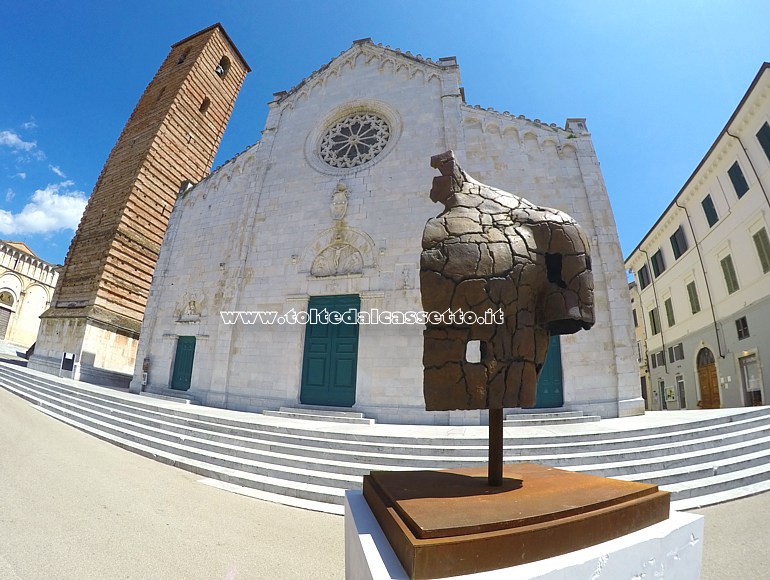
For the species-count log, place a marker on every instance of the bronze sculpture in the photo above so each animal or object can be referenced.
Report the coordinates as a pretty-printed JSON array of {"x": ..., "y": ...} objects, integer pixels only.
[{"x": 493, "y": 252}]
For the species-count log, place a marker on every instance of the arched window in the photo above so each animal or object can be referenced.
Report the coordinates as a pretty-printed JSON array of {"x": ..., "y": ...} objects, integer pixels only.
[
  {"x": 183, "y": 56},
  {"x": 7, "y": 299},
  {"x": 205, "y": 105},
  {"x": 705, "y": 358},
  {"x": 223, "y": 67}
]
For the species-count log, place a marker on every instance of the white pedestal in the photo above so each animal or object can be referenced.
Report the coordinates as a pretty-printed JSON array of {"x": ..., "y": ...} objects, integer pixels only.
[{"x": 670, "y": 549}]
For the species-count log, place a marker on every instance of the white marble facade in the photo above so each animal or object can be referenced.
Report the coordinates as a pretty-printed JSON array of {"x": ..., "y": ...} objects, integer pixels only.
[{"x": 286, "y": 220}]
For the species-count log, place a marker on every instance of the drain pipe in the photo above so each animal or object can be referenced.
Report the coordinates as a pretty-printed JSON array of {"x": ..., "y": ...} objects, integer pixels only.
[{"x": 705, "y": 277}]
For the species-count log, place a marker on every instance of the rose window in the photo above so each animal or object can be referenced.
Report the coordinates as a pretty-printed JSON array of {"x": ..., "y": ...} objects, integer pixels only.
[{"x": 355, "y": 140}]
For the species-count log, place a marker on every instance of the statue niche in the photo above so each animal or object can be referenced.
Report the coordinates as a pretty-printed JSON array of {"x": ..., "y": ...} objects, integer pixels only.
[{"x": 493, "y": 251}]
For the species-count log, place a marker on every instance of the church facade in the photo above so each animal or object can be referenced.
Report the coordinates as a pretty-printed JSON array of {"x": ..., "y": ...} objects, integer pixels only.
[
  {"x": 265, "y": 259},
  {"x": 26, "y": 286}
]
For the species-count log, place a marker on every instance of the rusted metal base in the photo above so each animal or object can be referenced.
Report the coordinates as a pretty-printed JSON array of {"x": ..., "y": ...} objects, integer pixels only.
[{"x": 448, "y": 523}]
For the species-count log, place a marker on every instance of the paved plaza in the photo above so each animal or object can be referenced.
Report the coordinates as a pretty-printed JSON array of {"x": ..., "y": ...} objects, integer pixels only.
[{"x": 73, "y": 506}]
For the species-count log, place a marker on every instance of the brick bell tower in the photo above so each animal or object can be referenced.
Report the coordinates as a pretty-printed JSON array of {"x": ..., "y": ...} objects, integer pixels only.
[{"x": 91, "y": 329}]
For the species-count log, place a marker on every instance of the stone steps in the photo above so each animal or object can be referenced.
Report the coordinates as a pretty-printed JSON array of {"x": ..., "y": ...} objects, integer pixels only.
[
  {"x": 320, "y": 415},
  {"x": 570, "y": 453},
  {"x": 545, "y": 417},
  {"x": 360, "y": 462},
  {"x": 310, "y": 463},
  {"x": 167, "y": 396}
]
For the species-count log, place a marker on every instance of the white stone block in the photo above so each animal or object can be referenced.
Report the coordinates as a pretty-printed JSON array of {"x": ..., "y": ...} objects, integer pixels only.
[{"x": 670, "y": 549}]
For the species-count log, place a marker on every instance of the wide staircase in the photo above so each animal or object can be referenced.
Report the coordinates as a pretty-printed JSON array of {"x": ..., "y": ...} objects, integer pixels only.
[{"x": 310, "y": 464}]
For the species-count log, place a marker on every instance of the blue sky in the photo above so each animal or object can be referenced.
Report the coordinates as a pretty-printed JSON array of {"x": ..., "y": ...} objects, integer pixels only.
[{"x": 656, "y": 80}]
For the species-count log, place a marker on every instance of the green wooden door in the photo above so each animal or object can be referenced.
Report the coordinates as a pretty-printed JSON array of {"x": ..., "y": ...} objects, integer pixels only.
[
  {"x": 549, "y": 384},
  {"x": 331, "y": 353},
  {"x": 183, "y": 363}
]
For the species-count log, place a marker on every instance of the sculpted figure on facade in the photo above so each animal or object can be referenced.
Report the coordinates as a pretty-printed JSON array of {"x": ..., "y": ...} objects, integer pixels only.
[
  {"x": 339, "y": 259},
  {"x": 493, "y": 252},
  {"x": 339, "y": 202}
]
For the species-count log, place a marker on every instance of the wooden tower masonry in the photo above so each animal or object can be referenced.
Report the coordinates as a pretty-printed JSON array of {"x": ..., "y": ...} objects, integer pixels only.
[{"x": 170, "y": 140}]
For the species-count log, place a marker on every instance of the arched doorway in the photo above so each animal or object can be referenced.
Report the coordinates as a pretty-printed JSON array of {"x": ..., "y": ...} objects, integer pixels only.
[
  {"x": 6, "y": 308},
  {"x": 707, "y": 379}
]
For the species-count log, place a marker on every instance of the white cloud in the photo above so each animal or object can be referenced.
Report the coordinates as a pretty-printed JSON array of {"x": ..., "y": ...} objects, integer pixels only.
[
  {"x": 21, "y": 175},
  {"x": 29, "y": 125},
  {"x": 9, "y": 194},
  {"x": 57, "y": 171},
  {"x": 12, "y": 140},
  {"x": 49, "y": 210}
]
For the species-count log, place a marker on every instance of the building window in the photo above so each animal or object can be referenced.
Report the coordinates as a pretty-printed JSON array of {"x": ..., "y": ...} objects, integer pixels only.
[
  {"x": 183, "y": 56},
  {"x": 658, "y": 359},
  {"x": 644, "y": 277},
  {"x": 762, "y": 243},
  {"x": 658, "y": 265},
  {"x": 764, "y": 139},
  {"x": 728, "y": 269},
  {"x": 669, "y": 312},
  {"x": 7, "y": 299},
  {"x": 742, "y": 326},
  {"x": 223, "y": 66},
  {"x": 678, "y": 243},
  {"x": 354, "y": 140},
  {"x": 636, "y": 320},
  {"x": 205, "y": 104},
  {"x": 709, "y": 210},
  {"x": 654, "y": 321},
  {"x": 692, "y": 293},
  {"x": 638, "y": 351},
  {"x": 676, "y": 352},
  {"x": 739, "y": 181}
]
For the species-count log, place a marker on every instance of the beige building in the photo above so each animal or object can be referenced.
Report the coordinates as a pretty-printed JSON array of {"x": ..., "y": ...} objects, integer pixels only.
[
  {"x": 703, "y": 271},
  {"x": 26, "y": 286},
  {"x": 326, "y": 213},
  {"x": 651, "y": 400}
]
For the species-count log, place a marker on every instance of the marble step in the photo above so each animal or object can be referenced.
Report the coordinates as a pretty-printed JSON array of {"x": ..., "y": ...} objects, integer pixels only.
[
  {"x": 269, "y": 478},
  {"x": 692, "y": 429},
  {"x": 321, "y": 498},
  {"x": 701, "y": 461},
  {"x": 716, "y": 497},
  {"x": 708, "y": 460},
  {"x": 551, "y": 420},
  {"x": 233, "y": 446},
  {"x": 243, "y": 448},
  {"x": 277, "y": 474},
  {"x": 515, "y": 414},
  {"x": 720, "y": 467},
  {"x": 391, "y": 455},
  {"x": 317, "y": 415},
  {"x": 167, "y": 396},
  {"x": 564, "y": 457},
  {"x": 356, "y": 464},
  {"x": 718, "y": 483}
]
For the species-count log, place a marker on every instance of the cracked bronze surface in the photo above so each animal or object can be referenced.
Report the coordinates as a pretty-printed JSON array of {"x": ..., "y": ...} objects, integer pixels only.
[{"x": 492, "y": 250}]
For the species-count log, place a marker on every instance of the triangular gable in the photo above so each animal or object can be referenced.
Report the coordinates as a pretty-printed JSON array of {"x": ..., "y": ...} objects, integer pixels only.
[
  {"x": 21, "y": 246},
  {"x": 383, "y": 55}
]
